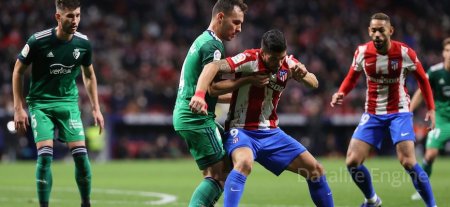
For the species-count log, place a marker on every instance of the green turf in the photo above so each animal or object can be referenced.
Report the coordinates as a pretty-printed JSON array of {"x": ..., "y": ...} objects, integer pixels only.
[{"x": 130, "y": 183}]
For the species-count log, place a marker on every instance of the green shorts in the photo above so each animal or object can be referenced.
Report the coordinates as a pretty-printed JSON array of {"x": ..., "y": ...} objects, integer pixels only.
[
  {"x": 205, "y": 145},
  {"x": 440, "y": 135},
  {"x": 65, "y": 119}
]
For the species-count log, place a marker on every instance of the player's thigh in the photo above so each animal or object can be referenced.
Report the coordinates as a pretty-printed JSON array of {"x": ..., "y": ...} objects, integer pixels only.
[
  {"x": 372, "y": 129},
  {"x": 68, "y": 121},
  {"x": 306, "y": 165},
  {"x": 401, "y": 127},
  {"x": 42, "y": 125},
  {"x": 357, "y": 152},
  {"x": 278, "y": 151},
  {"x": 205, "y": 145}
]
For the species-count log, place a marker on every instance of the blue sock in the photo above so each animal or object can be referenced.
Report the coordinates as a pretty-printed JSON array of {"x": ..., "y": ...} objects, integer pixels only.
[
  {"x": 320, "y": 192},
  {"x": 422, "y": 184},
  {"x": 234, "y": 187},
  {"x": 361, "y": 177}
]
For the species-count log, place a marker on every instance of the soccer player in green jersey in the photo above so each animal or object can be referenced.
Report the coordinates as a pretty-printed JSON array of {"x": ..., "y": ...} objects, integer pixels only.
[
  {"x": 57, "y": 55},
  {"x": 439, "y": 77},
  {"x": 199, "y": 131}
]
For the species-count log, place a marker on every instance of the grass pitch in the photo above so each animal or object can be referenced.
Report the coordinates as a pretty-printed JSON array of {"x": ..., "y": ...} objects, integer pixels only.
[{"x": 171, "y": 182}]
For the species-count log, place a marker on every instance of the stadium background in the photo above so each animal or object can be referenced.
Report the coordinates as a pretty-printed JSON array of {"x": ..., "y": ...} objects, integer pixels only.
[{"x": 139, "y": 47}]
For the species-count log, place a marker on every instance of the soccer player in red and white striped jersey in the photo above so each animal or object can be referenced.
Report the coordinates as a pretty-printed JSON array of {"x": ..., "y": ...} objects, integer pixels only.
[
  {"x": 252, "y": 124},
  {"x": 386, "y": 64}
]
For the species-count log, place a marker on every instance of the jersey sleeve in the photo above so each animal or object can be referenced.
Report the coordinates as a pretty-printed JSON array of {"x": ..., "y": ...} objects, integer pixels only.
[
  {"x": 87, "y": 59},
  {"x": 26, "y": 55},
  {"x": 211, "y": 51},
  {"x": 244, "y": 62},
  {"x": 354, "y": 72}
]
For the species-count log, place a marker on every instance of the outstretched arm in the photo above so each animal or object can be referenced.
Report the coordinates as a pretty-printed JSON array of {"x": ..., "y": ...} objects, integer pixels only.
[
  {"x": 349, "y": 83},
  {"x": 198, "y": 103},
  {"x": 20, "y": 115},
  {"x": 90, "y": 83}
]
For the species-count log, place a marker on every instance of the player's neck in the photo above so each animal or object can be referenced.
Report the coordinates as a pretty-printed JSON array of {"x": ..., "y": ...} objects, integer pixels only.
[
  {"x": 61, "y": 35},
  {"x": 214, "y": 28},
  {"x": 447, "y": 66}
]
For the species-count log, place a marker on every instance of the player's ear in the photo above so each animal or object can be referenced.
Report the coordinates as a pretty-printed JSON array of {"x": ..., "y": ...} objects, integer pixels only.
[
  {"x": 220, "y": 16},
  {"x": 57, "y": 16},
  {"x": 391, "y": 30}
]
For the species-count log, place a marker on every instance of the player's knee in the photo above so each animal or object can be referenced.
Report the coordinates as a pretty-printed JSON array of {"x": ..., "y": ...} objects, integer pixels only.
[
  {"x": 318, "y": 171},
  {"x": 244, "y": 166},
  {"x": 408, "y": 163},
  {"x": 352, "y": 161}
]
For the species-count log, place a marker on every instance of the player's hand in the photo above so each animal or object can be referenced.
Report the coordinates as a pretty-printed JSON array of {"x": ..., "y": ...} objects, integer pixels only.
[
  {"x": 198, "y": 104},
  {"x": 430, "y": 116},
  {"x": 98, "y": 120},
  {"x": 21, "y": 121},
  {"x": 337, "y": 99},
  {"x": 259, "y": 79},
  {"x": 298, "y": 71}
]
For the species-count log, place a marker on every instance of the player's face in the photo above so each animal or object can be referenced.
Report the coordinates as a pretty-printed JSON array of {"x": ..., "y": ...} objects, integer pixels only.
[
  {"x": 68, "y": 20},
  {"x": 446, "y": 54},
  {"x": 380, "y": 31},
  {"x": 231, "y": 24},
  {"x": 273, "y": 60}
]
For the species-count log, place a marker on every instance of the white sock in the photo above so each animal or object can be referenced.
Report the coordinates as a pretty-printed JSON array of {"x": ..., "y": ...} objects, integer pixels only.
[{"x": 373, "y": 199}]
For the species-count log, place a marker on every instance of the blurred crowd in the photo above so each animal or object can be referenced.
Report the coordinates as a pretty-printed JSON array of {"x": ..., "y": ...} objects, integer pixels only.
[{"x": 139, "y": 46}]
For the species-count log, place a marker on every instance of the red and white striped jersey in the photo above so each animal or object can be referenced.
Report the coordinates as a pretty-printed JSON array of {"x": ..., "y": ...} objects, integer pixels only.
[
  {"x": 385, "y": 76},
  {"x": 251, "y": 107}
]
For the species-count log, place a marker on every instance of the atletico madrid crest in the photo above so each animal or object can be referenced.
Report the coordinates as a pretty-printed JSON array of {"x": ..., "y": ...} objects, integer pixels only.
[
  {"x": 394, "y": 64},
  {"x": 282, "y": 75}
]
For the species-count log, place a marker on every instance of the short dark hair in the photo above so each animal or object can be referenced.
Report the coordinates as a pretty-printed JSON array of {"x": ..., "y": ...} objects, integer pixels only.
[
  {"x": 273, "y": 41},
  {"x": 226, "y": 6},
  {"x": 445, "y": 42},
  {"x": 67, "y": 4},
  {"x": 381, "y": 16}
]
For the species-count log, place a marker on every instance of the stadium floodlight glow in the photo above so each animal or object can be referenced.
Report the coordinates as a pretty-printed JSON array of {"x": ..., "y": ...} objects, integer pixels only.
[{"x": 11, "y": 128}]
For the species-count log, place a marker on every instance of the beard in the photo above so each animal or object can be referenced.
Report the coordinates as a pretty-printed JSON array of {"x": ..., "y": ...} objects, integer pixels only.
[
  {"x": 68, "y": 29},
  {"x": 379, "y": 44}
]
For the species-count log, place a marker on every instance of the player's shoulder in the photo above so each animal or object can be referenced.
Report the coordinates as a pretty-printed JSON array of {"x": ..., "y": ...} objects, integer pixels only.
[
  {"x": 249, "y": 55},
  {"x": 42, "y": 35},
  {"x": 81, "y": 36},
  {"x": 436, "y": 67}
]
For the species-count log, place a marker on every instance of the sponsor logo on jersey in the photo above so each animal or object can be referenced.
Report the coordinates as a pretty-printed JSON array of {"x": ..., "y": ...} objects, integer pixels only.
[
  {"x": 217, "y": 55},
  {"x": 384, "y": 80},
  {"x": 25, "y": 50},
  {"x": 274, "y": 86},
  {"x": 76, "y": 53},
  {"x": 60, "y": 69},
  {"x": 50, "y": 54},
  {"x": 238, "y": 58},
  {"x": 394, "y": 64}
]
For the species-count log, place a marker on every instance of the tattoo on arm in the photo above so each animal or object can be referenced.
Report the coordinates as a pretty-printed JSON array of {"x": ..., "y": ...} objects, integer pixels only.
[{"x": 224, "y": 67}]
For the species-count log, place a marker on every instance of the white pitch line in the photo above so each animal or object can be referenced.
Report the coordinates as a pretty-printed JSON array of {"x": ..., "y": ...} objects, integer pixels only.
[{"x": 162, "y": 198}]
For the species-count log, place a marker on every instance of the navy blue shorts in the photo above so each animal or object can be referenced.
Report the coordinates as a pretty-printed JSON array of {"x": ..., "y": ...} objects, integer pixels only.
[
  {"x": 272, "y": 148},
  {"x": 374, "y": 128}
]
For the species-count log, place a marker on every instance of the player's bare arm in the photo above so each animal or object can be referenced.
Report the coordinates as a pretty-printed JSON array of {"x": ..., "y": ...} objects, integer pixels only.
[
  {"x": 225, "y": 98},
  {"x": 20, "y": 115},
  {"x": 90, "y": 83},
  {"x": 227, "y": 86},
  {"x": 416, "y": 100},
  {"x": 301, "y": 74},
  {"x": 198, "y": 103}
]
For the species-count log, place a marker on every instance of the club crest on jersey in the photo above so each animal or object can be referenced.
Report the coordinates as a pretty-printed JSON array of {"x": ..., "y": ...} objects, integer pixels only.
[
  {"x": 76, "y": 53},
  {"x": 394, "y": 64},
  {"x": 282, "y": 75}
]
